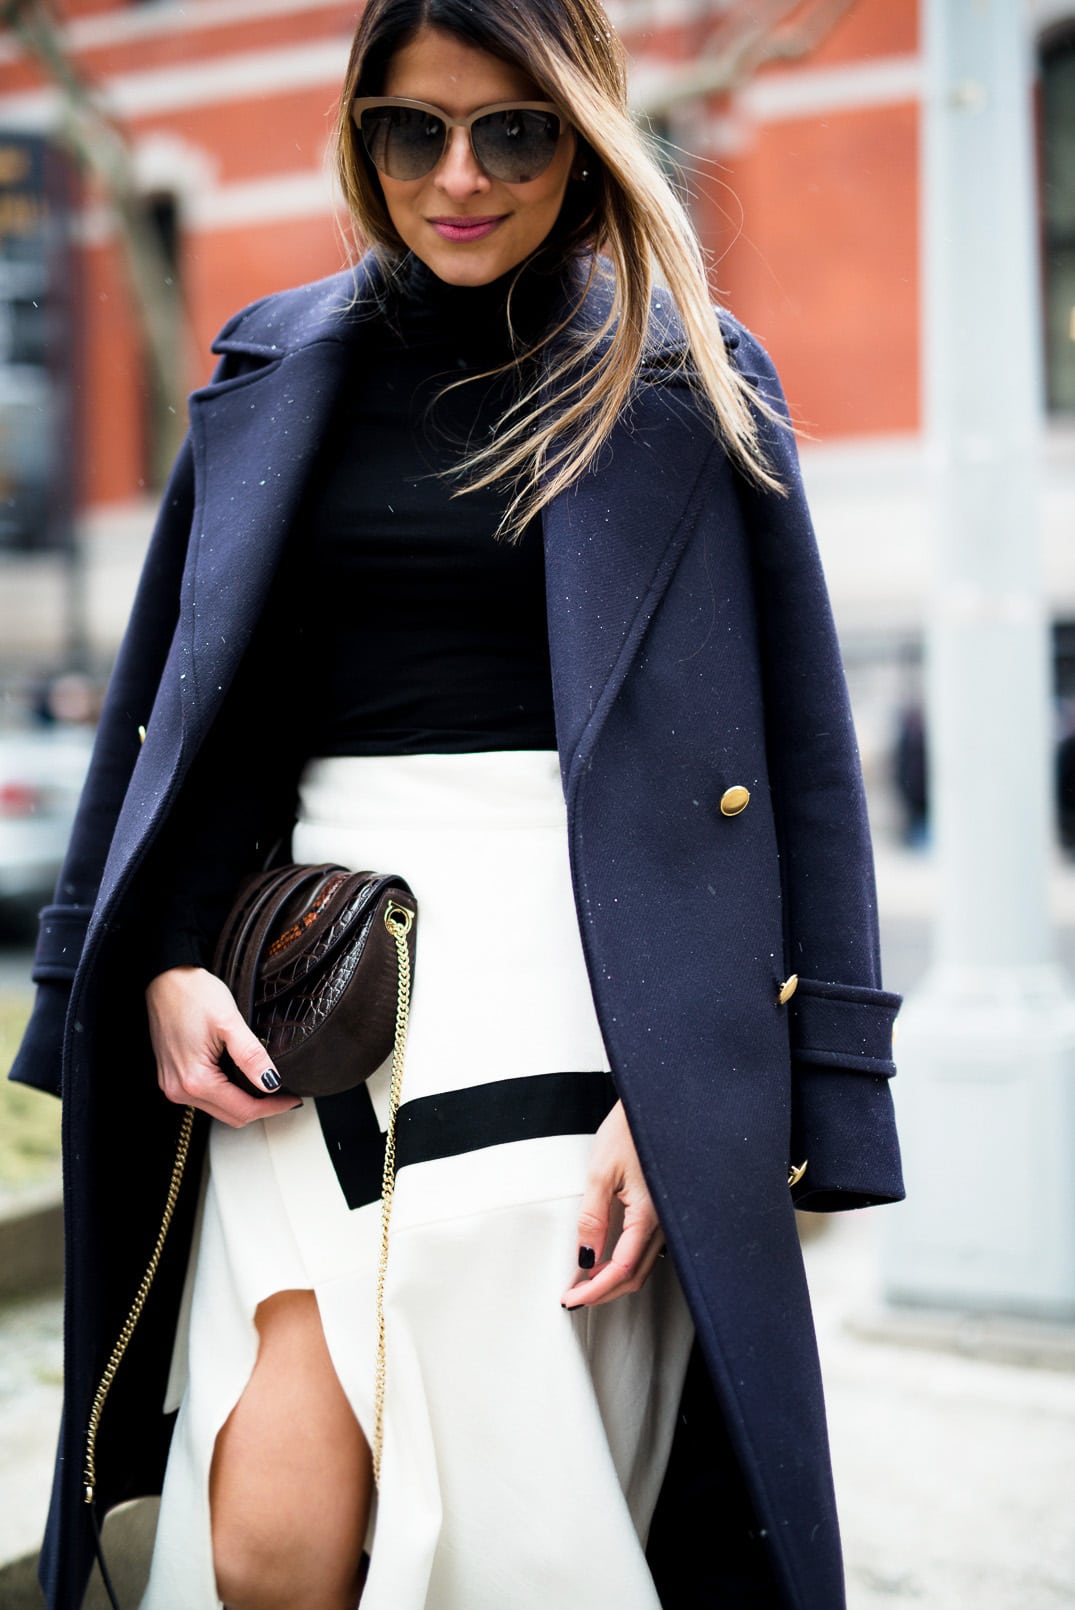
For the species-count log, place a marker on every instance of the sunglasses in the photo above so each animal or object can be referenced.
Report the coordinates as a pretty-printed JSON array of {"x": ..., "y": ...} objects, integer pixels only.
[{"x": 513, "y": 141}]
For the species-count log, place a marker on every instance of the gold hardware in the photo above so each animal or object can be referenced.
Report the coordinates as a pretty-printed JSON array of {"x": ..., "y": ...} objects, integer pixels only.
[
  {"x": 787, "y": 989},
  {"x": 141, "y": 1296},
  {"x": 141, "y": 735},
  {"x": 734, "y": 800},
  {"x": 795, "y": 1173},
  {"x": 398, "y": 921}
]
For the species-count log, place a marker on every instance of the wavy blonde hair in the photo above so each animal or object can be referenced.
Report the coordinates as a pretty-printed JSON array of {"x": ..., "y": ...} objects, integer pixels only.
[{"x": 627, "y": 211}]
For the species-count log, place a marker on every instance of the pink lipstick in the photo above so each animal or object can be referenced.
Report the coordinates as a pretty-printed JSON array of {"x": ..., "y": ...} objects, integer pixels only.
[{"x": 466, "y": 228}]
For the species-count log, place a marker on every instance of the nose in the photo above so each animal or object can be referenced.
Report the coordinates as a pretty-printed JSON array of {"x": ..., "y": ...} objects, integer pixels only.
[{"x": 458, "y": 173}]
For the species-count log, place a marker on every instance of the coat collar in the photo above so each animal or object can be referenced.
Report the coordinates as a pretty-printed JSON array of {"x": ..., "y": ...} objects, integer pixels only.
[
  {"x": 332, "y": 309},
  {"x": 610, "y": 541},
  {"x": 336, "y": 308}
]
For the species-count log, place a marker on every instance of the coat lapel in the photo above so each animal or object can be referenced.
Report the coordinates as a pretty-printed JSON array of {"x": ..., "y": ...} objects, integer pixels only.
[
  {"x": 255, "y": 443},
  {"x": 254, "y": 436},
  {"x": 612, "y": 541},
  {"x": 611, "y": 546},
  {"x": 255, "y": 439}
]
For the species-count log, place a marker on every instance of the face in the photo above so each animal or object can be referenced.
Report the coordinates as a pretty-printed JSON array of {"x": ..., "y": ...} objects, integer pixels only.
[{"x": 467, "y": 227}]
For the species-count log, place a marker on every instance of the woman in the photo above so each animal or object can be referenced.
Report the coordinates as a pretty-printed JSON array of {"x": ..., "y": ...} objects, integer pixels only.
[{"x": 320, "y": 617}]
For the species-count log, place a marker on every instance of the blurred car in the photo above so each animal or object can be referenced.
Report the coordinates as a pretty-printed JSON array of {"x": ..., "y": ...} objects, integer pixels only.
[{"x": 41, "y": 775}]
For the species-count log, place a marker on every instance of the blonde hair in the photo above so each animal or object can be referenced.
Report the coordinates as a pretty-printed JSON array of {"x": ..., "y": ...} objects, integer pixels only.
[{"x": 626, "y": 210}]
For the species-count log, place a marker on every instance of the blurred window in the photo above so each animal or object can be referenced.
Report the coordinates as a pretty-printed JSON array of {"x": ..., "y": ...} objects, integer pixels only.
[
  {"x": 164, "y": 423},
  {"x": 36, "y": 348},
  {"x": 1058, "y": 182}
]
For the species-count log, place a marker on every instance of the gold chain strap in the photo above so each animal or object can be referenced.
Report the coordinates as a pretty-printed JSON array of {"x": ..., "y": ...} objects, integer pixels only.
[
  {"x": 397, "y": 919},
  {"x": 141, "y": 1296}
]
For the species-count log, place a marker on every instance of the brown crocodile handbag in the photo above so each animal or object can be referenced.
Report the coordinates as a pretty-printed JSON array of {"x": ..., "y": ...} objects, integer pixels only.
[{"x": 319, "y": 960}]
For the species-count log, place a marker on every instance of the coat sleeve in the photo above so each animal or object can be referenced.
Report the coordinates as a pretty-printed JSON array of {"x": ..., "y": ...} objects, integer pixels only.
[
  {"x": 63, "y": 924},
  {"x": 131, "y": 692},
  {"x": 840, "y": 1018}
]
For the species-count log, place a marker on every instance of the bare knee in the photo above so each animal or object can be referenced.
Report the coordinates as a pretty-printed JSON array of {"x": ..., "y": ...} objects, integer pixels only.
[
  {"x": 290, "y": 1482},
  {"x": 283, "y": 1577},
  {"x": 247, "y": 1578}
]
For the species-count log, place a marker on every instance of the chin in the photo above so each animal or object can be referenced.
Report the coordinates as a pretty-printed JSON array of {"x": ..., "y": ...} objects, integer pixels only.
[{"x": 467, "y": 267}]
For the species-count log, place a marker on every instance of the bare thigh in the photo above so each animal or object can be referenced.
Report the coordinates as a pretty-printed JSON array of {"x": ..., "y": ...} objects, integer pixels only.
[{"x": 291, "y": 1477}]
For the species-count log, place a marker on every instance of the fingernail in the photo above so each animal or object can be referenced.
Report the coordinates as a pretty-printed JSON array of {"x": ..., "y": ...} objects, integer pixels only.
[
  {"x": 572, "y": 1308},
  {"x": 296, "y": 1107},
  {"x": 587, "y": 1257},
  {"x": 271, "y": 1080}
]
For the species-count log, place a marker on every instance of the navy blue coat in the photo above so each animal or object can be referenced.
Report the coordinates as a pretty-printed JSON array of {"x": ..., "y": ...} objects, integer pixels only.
[{"x": 693, "y": 651}]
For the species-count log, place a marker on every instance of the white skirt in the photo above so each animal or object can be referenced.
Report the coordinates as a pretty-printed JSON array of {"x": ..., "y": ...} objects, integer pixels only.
[{"x": 524, "y": 1446}]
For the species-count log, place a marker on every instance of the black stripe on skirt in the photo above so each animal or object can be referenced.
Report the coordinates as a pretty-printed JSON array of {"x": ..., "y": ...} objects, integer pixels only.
[{"x": 457, "y": 1121}]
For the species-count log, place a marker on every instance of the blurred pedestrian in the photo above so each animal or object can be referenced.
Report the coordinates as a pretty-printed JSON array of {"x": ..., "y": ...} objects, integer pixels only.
[
  {"x": 909, "y": 762},
  {"x": 1065, "y": 776}
]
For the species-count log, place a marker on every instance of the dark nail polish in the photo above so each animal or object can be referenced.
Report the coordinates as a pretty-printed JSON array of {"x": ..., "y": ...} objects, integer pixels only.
[
  {"x": 271, "y": 1080},
  {"x": 587, "y": 1257},
  {"x": 296, "y": 1107},
  {"x": 573, "y": 1308}
]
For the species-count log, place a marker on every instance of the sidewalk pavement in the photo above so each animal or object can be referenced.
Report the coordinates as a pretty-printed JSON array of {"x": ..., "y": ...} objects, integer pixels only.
[{"x": 955, "y": 1475}]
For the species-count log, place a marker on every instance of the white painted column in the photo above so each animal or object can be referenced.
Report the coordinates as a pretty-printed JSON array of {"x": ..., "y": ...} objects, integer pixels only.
[{"x": 986, "y": 1091}]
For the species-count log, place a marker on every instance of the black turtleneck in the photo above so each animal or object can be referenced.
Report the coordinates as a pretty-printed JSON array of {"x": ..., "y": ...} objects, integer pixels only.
[
  {"x": 398, "y": 624},
  {"x": 430, "y": 631}
]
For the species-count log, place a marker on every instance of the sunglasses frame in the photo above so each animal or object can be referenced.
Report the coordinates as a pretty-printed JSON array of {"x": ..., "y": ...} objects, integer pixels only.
[{"x": 366, "y": 103}]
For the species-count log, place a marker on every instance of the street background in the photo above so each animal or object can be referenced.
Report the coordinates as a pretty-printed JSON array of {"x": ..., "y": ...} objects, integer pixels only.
[{"x": 886, "y": 191}]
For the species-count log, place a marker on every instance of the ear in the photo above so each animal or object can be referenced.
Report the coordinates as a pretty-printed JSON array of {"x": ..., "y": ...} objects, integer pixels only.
[{"x": 585, "y": 163}]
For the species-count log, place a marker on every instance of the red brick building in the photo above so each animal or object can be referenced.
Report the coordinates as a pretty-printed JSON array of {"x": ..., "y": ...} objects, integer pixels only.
[
  {"x": 808, "y": 201},
  {"x": 228, "y": 104}
]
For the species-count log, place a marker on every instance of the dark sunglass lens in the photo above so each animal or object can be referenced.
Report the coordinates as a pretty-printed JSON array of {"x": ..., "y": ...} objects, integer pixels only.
[
  {"x": 516, "y": 146},
  {"x": 403, "y": 142}
]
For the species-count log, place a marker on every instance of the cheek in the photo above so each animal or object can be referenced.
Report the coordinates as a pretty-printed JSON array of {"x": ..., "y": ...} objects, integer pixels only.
[
  {"x": 401, "y": 201},
  {"x": 547, "y": 194},
  {"x": 551, "y": 188}
]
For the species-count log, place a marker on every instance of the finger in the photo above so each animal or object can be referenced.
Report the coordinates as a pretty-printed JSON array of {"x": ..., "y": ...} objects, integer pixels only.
[
  {"x": 612, "y": 1281},
  {"x": 249, "y": 1055},
  {"x": 593, "y": 1219},
  {"x": 236, "y": 1109},
  {"x": 210, "y": 1090},
  {"x": 630, "y": 1261},
  {"x": 639, "y": 1274}
]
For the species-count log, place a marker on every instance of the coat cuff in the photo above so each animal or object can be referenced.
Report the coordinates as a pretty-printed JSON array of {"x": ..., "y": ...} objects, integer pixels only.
[
  {"x": 843, "y": 1127},
  {"x": 843, "y": 1123},
  {"x": 61, "y": 935},
  {"x": 843, "y": 1026},
  {"x": 40, "y": 1056}
]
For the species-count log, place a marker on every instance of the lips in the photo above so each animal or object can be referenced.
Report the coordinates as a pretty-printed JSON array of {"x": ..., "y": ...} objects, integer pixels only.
[{"x": 464, "y": 229}]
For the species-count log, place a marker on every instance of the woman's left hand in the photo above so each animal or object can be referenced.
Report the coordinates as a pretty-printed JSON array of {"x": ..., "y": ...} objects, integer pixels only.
[{"x": 615, "y": 1174}]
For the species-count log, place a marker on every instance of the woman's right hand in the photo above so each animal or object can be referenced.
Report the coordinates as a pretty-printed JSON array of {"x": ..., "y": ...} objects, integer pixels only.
[{"x": 193, "y": 1019}]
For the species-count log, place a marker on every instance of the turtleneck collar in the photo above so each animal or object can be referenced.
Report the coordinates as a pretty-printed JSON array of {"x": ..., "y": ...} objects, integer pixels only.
[{"x": 421, "y": 305}]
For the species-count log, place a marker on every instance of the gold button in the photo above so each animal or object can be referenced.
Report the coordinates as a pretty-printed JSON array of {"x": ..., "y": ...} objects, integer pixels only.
[
  {"x": 787, "y": 989},
  {"x": 734, "y": 800}
]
